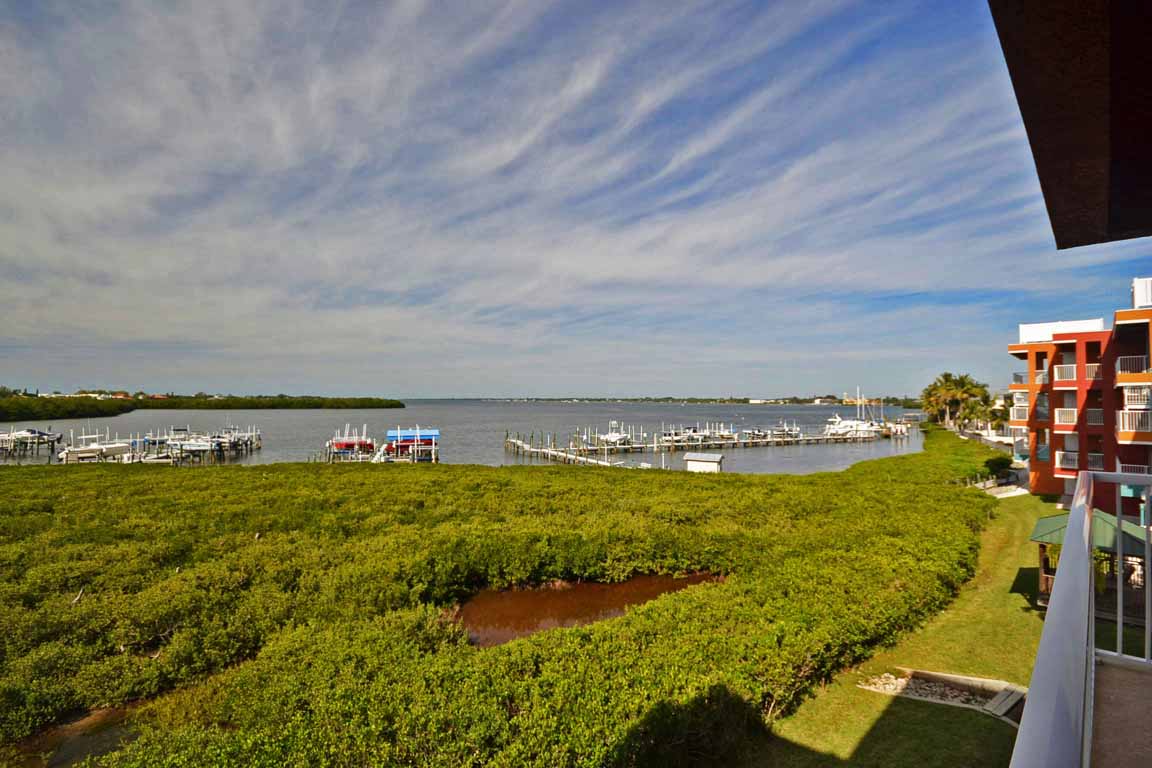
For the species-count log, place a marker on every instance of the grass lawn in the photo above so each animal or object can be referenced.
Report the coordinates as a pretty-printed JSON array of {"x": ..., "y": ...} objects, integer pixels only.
[{"x": 991, "y": 630}]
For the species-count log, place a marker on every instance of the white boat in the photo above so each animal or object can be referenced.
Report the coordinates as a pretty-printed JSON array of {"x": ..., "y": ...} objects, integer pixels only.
[
  {"x": 94, "y": 448},
  {"x": 838, "y": 427},
  {"x": 859, "y": 427},
  {"x": 784, "y": 431},
  {"x": 352, "y": 445},
  {"x": 190, "y": 444}
]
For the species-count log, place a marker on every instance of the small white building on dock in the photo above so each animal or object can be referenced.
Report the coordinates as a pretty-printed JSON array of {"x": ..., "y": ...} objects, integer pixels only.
[{"x": 704, "y": 462}]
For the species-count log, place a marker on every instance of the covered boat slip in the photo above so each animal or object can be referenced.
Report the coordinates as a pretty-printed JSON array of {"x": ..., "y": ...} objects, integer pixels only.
[{"x": 417, "y": 445}]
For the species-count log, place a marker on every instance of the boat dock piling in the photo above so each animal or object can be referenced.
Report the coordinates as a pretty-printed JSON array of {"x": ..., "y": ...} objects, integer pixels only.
[
  {"x": 591, "y": 448},
  {"x": 176, "y": 446},
  {"x": 26, "y": 443}
]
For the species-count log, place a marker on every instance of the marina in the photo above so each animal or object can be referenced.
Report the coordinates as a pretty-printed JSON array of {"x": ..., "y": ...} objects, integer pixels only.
[
  {"x": 174, "y": 445},
  {"x": 474, "y": 431},
  {"x": 591, "y": 447}
]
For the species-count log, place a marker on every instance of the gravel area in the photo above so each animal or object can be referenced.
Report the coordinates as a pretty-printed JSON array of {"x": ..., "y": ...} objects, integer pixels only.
[{"x": 925, "y": 689}]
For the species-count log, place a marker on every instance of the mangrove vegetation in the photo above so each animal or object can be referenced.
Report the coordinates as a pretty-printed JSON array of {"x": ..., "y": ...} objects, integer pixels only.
[
  {"x": 19, "y": 407},
  {"x": 303, "y": 614}
]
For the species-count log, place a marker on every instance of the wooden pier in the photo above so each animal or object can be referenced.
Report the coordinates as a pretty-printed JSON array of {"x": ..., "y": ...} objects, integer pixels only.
[
  {"x": 523, "y": 448},
  {"x": 575, "y": 451}
]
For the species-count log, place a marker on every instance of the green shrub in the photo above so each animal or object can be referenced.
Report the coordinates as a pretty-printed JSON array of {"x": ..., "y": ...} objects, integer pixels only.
[{"x": 298, "y": 612}]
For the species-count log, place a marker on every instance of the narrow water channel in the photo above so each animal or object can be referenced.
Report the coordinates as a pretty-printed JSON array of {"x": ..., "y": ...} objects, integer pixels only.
[
  {"x": 97, "y": 733},
  {"x": 493, "y": 616}
]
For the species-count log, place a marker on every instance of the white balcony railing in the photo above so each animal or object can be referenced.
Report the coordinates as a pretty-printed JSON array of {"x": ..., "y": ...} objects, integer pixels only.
[
  {"x": 1094, "y": 417},
  {"x": 1056, "y": 728},
  {"x": 1020, "y": 378},
  {"x": 1134, "y": 421},
  {"x": 1065, "y": 416},
  {"x": 1041, "y": 377},
  {"x": 1067, "y": 460},
  {"x": 1019, "y": 413},
  {"x": 1132, "y": 469},
  {"x": 1064, "y": 372},
  {"x": 1137, "y": 397},
  {"x": 1092, "y": 371},
  {"x": 1096, "y": 462},
  {"x": 1132, "y": 364}
]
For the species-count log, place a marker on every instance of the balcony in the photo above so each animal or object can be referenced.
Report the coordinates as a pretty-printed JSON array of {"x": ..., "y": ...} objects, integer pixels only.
[
  {"x": 1132, "y": 364},
  {"x": 1088, "y": 706},
  {"x": 1132, "y": 469},
  {"x": 1020, "y": 378},
  {"x": 1096, "y": 462},
  {"x": 1134, "y": 421},
  {"x": 1019, "y": 413},
  {"x": 1067, "y": 460},
  {"x": 1041, "y": 377},
  {"x": 1064, "y": 372},
  {"x": 1094, "y": 417},
  {"x": 1137, "y": 397},
  {"x": 1066, "y": 416},
  {"x": 1092, "y": 371}
]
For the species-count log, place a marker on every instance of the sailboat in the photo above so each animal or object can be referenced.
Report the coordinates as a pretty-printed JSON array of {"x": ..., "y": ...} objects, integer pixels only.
[{"x": 859, "y": 427}]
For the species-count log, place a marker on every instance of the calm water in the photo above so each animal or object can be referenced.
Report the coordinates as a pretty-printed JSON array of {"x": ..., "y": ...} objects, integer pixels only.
[
  {"x": 473, "y": 430},
  {"x": 493, "y": 617}
]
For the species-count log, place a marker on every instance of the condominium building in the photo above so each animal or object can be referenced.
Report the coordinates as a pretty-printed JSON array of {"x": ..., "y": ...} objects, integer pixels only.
[{"x": 1082, "y": 400}]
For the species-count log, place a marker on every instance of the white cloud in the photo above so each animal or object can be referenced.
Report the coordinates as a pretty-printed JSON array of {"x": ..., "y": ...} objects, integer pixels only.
[{"x": 247, "y": 195}]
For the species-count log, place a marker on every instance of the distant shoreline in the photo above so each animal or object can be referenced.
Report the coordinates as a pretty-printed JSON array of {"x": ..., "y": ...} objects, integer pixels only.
[
  {"x": 31, "y": 408},
  {"x": 897, "y": 402}
]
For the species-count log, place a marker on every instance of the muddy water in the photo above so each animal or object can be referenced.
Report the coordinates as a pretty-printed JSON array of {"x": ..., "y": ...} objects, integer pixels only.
[
  {"x": 97, "y": 733},
  {"x": 493, "y": 617}
]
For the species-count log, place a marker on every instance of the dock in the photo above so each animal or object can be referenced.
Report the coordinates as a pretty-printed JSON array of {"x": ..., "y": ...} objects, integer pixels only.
[
  {"x": 562, "y": 456},
  {"x": 176, "y": 446},
  {"x": 592, "y": 449},
  {"x": 26, "y": 443}
]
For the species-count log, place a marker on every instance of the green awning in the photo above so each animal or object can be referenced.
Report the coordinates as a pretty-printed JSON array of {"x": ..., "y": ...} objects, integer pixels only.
[{"x": 1050, "y": 530}]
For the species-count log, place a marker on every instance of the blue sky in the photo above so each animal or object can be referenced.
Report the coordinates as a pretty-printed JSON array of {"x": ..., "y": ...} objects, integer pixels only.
[{"x": 517, "y": 197}]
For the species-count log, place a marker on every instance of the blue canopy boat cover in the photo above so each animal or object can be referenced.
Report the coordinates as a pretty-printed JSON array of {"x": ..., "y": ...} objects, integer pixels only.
[{"x": 414, "y": 434}]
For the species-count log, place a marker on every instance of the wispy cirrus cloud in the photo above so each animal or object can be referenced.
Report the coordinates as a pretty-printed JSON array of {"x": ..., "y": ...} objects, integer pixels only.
[{"x": 518, "y": 197}]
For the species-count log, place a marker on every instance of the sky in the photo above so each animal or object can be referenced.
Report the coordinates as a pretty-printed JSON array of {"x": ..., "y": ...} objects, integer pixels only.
[{"x": 520, "y": 198}]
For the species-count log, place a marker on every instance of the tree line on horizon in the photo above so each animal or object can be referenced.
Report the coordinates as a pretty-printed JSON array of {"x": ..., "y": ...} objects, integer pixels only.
[{"x": 17, "y": 406}]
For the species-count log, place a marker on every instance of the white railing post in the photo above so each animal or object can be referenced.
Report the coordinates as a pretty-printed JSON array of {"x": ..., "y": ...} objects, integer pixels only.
[
  {"x": 1134, "y": 421},
  {"x": 1132, "y": 364},
  {"x": 1055, "y": 729},
  {"x": 1137, "y": 397},
  {"x": 1119, "y": 571},
  {"x": 1147, "y": 587}
]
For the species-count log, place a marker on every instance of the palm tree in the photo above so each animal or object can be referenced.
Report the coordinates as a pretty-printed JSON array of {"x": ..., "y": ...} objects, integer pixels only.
[
  {"x": 945, "y": 396},
  {"x": 976, "y": 410}
]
